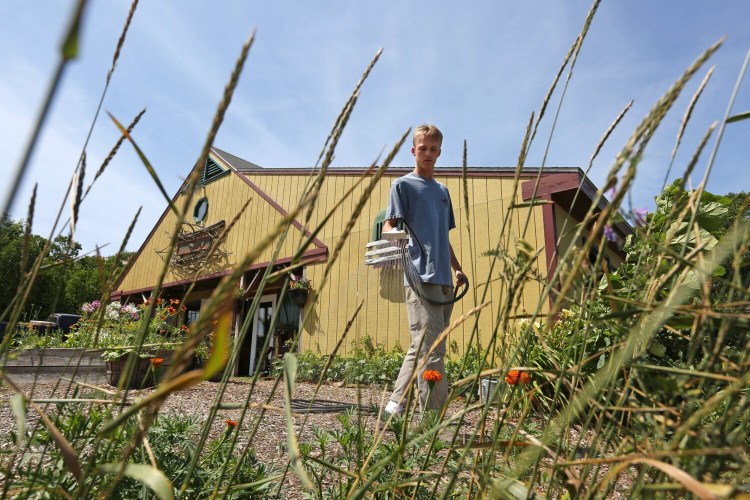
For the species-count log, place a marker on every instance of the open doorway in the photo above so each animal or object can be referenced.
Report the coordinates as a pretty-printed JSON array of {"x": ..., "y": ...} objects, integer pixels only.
[{"x": 252, "y": 347}]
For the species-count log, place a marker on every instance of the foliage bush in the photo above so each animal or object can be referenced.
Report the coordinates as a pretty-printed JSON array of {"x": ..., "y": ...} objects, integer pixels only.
[{"x": 367, "y": 363}]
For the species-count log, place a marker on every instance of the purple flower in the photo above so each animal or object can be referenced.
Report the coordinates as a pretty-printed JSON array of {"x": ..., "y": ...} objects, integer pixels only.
[
  {"x": 91, "y": 306},
  {"x": 609, "y": 233},
  {"x": 640, "y": 215}
]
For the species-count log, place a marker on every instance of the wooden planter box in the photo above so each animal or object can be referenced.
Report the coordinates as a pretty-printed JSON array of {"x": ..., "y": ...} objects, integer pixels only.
[
  {"x": 48, "y": 365},
  {"x": 83, "y": 365}
]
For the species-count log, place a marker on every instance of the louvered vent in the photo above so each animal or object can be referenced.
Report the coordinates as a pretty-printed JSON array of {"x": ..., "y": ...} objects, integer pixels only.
[{"x": 212, "y": 171}]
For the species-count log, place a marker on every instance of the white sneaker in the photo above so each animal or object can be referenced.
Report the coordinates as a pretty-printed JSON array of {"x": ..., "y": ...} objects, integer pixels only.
[{"x": 393, "y": 407}]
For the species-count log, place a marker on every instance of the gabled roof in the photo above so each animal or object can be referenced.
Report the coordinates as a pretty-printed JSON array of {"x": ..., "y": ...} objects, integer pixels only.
[{"x": 234, "y": 164}]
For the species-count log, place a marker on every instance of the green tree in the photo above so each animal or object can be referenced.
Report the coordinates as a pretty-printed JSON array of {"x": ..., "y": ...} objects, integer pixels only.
[{"x": 65, "y": 281}]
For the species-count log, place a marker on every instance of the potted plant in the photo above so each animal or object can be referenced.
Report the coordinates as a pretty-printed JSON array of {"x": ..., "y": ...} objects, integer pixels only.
[{"x": 299, "y": 287}]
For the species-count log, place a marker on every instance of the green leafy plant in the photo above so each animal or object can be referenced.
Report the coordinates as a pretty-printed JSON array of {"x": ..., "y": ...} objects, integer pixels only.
[{"x": 170, "y": 441}]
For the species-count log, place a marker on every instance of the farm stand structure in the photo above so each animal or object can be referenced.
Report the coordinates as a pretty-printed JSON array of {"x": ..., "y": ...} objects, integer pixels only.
[{"x": 228, "y": 183}]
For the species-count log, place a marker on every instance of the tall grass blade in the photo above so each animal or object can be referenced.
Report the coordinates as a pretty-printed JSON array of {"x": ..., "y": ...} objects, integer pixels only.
[
  {"x": 121, "y": 40},
  {"x": 218, "y": 358},
  {"x": 70, "y": 459},
  {"x": 19, "y": 412},
  {"x": 70, "y": 43},
  {"x": 68, "y": 50},
  {"x": 146, "y": 474},
  {"x": 739, "y": 117},
  {"x": 145, "y": 162},
  {"x": 113, "y": 152},
  {"x": 686, "y": 119},
  {"x": 507, "y": 488},
  {"x": 342, "y": 118},
  {"x": 76, "y": 200},
  {"x": 690, "y": 483},
  {"x": 27, "y": 231},
  {"x": 295, "y": 457}
]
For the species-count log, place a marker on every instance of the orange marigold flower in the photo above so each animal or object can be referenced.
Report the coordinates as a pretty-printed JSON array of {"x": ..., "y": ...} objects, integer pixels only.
[
  {"x": 515, "y": 376},
  {"x": 171, "y": 310},
  {"x": 174, "y": 301},
  {"x": 157, "y": 361},
  {"x": 183, "y": 308},
  {"x": 184, "y": 328},
  {"x": 158, "y": 301},
  {"x": 432, "y": 376},
  {"x": 232, "y": 423}
]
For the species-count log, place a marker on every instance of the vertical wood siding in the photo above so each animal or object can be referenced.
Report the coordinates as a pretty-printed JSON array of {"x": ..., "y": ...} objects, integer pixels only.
[{"x": 350, "y": 281}]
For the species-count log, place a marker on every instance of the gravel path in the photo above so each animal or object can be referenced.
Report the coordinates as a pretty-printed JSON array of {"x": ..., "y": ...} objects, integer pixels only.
[{"x": 269, "y": 442}]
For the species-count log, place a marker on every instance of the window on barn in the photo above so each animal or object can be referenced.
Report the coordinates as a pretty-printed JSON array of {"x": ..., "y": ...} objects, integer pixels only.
[
  {"x": 200, "y": 210},
  {"x": 212, "y": 171}
]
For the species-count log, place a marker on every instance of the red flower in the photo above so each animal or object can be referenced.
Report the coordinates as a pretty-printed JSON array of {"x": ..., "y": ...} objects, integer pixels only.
[
  {"x": 231, "y": 424},
  {"x": 157, "y": 362},
  {"x": 432, "y": 376},
  {"x": 171, "y": 310},
  {"x": 515, "y": 376},
  {"x": 185, "y": 328},
  {"x": 183, "y": 308}
]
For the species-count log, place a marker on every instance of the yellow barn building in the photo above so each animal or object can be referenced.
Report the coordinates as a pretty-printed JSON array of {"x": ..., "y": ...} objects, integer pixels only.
[{"x": 228, "y": 183}]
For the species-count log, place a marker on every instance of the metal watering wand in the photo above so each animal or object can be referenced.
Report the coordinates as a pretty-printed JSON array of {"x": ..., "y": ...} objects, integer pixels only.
[{"x": 391, "y": 250}]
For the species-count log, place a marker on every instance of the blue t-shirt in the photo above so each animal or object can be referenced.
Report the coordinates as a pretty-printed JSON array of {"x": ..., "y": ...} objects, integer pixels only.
[{"x": 426, "y": 206}]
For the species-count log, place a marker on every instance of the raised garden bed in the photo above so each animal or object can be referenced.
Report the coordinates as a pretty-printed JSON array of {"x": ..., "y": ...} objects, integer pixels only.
[
  {"x": 83, "y": 365},
  {"x": 48, "y": 365}
]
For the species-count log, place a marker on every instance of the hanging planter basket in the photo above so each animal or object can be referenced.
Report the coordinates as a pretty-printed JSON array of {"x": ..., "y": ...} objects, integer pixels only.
[{"x": 298, "y": 296}]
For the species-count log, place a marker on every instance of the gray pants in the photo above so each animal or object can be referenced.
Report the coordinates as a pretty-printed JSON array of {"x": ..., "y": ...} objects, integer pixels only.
[{"x": 426, "y": 322}]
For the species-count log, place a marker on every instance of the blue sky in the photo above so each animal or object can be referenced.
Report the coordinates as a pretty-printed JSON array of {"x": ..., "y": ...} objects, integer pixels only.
[{"x": 476, "y": 69}]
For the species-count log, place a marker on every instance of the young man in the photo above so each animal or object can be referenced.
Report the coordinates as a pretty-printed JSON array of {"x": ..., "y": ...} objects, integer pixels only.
[{"x": 425, "y": 206}]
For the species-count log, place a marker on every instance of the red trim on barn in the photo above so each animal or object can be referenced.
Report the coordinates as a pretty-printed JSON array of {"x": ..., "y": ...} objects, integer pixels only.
[
  {"x": 309, "y": 257},
  {"x": 270, "y": 200},
  {"x": 550, "y": 234}
]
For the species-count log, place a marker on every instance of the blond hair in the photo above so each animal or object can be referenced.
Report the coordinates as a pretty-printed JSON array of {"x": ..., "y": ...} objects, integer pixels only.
[{"x": 426, "y": 130}]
